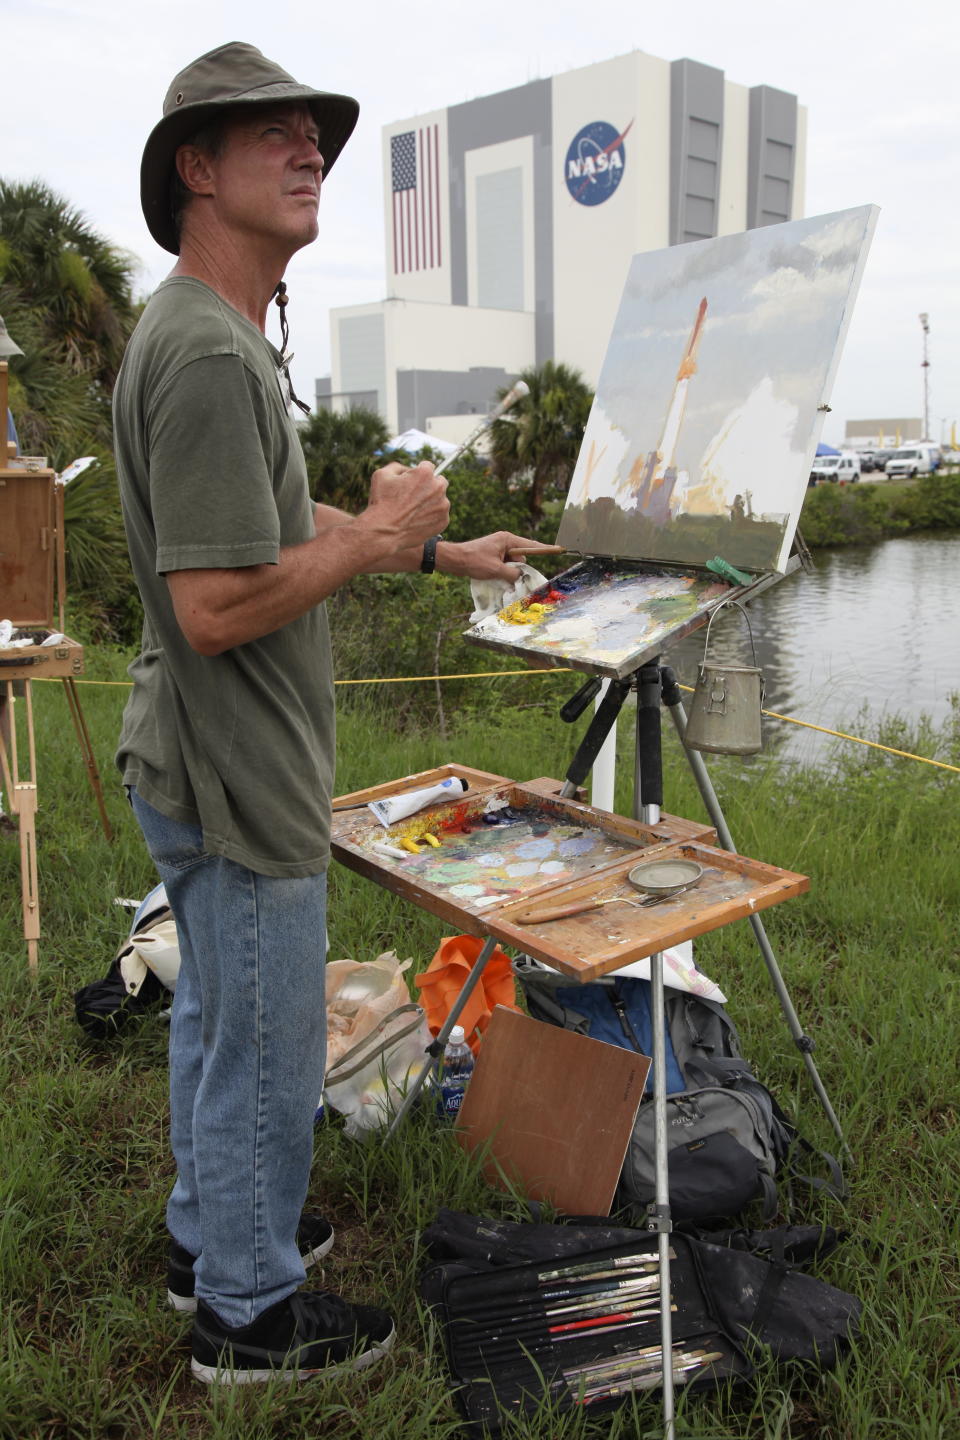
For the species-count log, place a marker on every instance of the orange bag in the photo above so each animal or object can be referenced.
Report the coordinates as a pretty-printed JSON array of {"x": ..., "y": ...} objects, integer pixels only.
[{"x": 444, "y": 978}]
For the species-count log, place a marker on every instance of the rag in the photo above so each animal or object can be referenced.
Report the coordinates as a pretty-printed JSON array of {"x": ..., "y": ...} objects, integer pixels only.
[{"x": 491, "y": 596}]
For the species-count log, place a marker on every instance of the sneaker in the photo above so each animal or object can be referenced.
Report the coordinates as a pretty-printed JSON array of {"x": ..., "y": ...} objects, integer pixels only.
[
  {"x": 310, "y": 1333},
  {"x": 314, "y": 1237}
]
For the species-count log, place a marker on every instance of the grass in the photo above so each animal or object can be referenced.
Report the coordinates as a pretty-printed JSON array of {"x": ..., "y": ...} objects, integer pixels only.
[{"x": 871, "y": 960}]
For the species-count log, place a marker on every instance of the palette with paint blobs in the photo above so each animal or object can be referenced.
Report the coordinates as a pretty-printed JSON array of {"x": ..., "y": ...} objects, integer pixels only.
[
  {"x": 547, "y": 875},
  {"x": 491, "y": 846},
  {"x": 604, "y": 616}
]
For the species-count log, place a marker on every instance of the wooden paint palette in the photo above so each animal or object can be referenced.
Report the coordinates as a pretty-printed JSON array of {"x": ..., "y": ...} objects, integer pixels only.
[{"x": 478, "y": 866}]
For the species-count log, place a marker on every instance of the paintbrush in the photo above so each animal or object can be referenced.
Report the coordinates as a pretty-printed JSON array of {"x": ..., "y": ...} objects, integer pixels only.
[
  {"x": 601, "y": 1304},
  {"x": 536, "y": 1318},
  {"x": 517, "y": 392},
  {"x": 612, "y": 1369},
  {"x": 608, "y": 1265},
  {"x": 539, "y": 1300},
  {"x": 529, "y": 1284},
  {"x": 609, "y": 1367},
  {"x": 650, "y": 1379},
  {"x": 505, "y": 1342},
  {"x": 623, "y": 1357},
  {"x": 596, "y": 1322}
]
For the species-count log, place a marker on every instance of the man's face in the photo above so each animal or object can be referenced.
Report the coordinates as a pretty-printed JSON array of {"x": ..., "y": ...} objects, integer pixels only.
[{"x": 265, "y": 181}]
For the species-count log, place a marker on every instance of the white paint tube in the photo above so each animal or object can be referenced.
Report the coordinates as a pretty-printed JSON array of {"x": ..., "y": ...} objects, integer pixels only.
[{"x": 397, "y": 807}]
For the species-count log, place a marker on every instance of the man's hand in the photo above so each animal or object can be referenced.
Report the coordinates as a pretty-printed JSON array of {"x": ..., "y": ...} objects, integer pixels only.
[
  {"x": 489, "y": 556},
  {"x": 405, "y": 508}
]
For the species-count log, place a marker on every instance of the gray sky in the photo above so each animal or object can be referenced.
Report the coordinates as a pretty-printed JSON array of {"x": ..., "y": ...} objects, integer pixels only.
[{"x": 84, "y": 82}]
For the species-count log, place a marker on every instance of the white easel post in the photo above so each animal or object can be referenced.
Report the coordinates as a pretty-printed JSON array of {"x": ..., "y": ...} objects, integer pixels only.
[{"x": 604, "y": 773}]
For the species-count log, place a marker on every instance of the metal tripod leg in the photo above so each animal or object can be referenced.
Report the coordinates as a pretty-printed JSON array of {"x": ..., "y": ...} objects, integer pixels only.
[
  {"x": 647, "y": 800},
  {"x": 435, "y": 1050},
  {"x": 803, "y": 1042}
]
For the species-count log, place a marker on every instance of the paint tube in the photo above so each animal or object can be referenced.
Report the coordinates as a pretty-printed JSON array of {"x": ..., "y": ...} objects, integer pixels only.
[{"x": 397, "y": 807}]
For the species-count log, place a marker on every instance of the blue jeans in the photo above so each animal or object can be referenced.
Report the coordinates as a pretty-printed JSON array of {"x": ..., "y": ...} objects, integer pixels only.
[{"x": 247, "y": 1051}]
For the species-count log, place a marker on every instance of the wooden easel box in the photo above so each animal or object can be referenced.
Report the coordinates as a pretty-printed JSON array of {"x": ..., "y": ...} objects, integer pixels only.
[{"x": 31, "y": 567}]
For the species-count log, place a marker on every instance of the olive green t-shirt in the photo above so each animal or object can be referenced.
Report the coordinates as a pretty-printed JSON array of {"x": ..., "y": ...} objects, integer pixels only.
[{"x": 212, "y": 475}]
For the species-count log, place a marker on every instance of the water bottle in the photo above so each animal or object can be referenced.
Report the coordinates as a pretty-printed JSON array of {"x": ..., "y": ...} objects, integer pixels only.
[{"x": 455, "y": 1071}]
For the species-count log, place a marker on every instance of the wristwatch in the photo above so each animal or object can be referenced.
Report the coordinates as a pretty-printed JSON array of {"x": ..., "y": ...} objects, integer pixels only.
[{"x": 429, "y": 562}]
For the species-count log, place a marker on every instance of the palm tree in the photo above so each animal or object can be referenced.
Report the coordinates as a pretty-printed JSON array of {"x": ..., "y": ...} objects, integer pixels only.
[
  {"x": 66, "y": 295},
  {"x": 342, "y": 451},
  {"x": 539, "y": 438}
]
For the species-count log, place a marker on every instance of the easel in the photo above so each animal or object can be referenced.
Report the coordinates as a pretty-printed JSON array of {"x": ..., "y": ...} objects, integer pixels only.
[
  {"x": 654, "y": 685},
  {"x": 33, "y": 568}
]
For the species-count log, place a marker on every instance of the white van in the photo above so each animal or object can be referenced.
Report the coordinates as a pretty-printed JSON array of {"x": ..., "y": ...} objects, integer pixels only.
[
  {"x": 918, "y": 459},
  {"x": 843, "y": 468}
]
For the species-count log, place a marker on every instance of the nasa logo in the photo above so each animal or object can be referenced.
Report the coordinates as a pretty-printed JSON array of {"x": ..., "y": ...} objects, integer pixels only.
[{"x": 595, "y": 161}]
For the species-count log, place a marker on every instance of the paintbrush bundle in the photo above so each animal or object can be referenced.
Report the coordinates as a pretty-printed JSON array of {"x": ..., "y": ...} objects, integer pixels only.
[{"x": 582, "y": 1330}]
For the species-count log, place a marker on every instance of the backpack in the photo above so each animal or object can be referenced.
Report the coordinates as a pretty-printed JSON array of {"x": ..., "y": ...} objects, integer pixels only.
[
  {"x": 727, "y": 1137},
  {"x": 131, "y": 988}
]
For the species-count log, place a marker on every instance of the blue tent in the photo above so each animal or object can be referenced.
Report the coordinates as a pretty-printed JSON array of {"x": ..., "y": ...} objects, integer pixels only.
[{"x": 826, "y": 450}]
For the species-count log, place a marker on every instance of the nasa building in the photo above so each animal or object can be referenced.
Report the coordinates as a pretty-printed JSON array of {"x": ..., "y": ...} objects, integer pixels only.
[{"x": 511, "y": 221}]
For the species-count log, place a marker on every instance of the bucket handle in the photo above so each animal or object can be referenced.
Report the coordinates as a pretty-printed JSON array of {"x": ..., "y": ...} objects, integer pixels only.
[{"x": 716, "y": 612}]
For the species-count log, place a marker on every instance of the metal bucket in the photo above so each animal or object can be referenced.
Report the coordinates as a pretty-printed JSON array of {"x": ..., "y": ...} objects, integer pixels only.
[{"x": 724, "y": 715}]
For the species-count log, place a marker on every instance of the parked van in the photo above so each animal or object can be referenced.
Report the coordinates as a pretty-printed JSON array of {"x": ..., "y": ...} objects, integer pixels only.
[
  {"x": 843, "y": 468},
  {"x": 917, "y": 459}
]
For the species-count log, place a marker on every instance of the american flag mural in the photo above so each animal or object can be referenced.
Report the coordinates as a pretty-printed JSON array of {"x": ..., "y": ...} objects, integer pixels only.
[{"x": 415, "y": 178}]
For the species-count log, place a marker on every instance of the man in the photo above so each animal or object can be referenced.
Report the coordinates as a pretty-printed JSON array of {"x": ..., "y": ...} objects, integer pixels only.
[{"x": 227, "y": 742}]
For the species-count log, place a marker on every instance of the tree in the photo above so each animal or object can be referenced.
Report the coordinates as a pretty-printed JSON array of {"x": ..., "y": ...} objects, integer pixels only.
[
  {"x": 342, "y": 452},
  {"x": 539, "y": 438},
  {"x": 66, "y": 296}
]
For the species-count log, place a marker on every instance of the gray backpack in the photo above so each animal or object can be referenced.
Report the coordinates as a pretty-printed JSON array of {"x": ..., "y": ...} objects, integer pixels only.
[{"x": 727, "y": 1137}]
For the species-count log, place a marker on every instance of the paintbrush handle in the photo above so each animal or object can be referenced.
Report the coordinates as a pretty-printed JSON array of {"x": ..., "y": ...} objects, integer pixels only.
[
  {"x": 607, "y": 1370},
  {"x": 615, "y": 1293},
  {"x": 615, "y": 1301},
  {"x": 519, "y": 1329},
  {"x": 610, "y": 1264},
  {"x": 593, "y": 1322},
  {"x": 517, "y": 392},
  {"x": 646, "y": 1379},
  {"x": 556, "y": 912}
]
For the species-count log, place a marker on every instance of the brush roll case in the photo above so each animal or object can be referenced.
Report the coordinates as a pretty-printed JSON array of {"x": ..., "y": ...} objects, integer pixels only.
[{"x": 507, "y": 1365}]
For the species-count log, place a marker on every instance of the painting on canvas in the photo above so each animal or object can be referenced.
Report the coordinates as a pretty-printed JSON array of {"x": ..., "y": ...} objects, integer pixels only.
[{"x": 709, "y": 405}]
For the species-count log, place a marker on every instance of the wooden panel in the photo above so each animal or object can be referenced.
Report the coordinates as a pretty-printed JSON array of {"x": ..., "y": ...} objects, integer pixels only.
[
  {"x": 26, "y": 546},
  {"x": 598, "y": 940},
  {"x": 552, "y": 1111}
]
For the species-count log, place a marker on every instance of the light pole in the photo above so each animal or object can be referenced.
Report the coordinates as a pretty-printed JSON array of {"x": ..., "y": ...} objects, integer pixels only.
[{"x": 925, "y": 366}]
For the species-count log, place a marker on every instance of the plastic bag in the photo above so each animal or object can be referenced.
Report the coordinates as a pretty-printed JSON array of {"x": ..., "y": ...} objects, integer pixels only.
[
  {"x": 375, "y": 1038},
  {"x": 444, "y": 978}
]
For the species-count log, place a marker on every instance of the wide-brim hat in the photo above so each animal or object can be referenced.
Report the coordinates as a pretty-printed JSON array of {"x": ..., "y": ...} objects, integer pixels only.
[{"x": 233, "y": 74}]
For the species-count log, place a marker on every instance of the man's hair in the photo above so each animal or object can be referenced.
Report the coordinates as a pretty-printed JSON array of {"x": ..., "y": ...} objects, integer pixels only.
[{"x": 209, "y": 139}]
